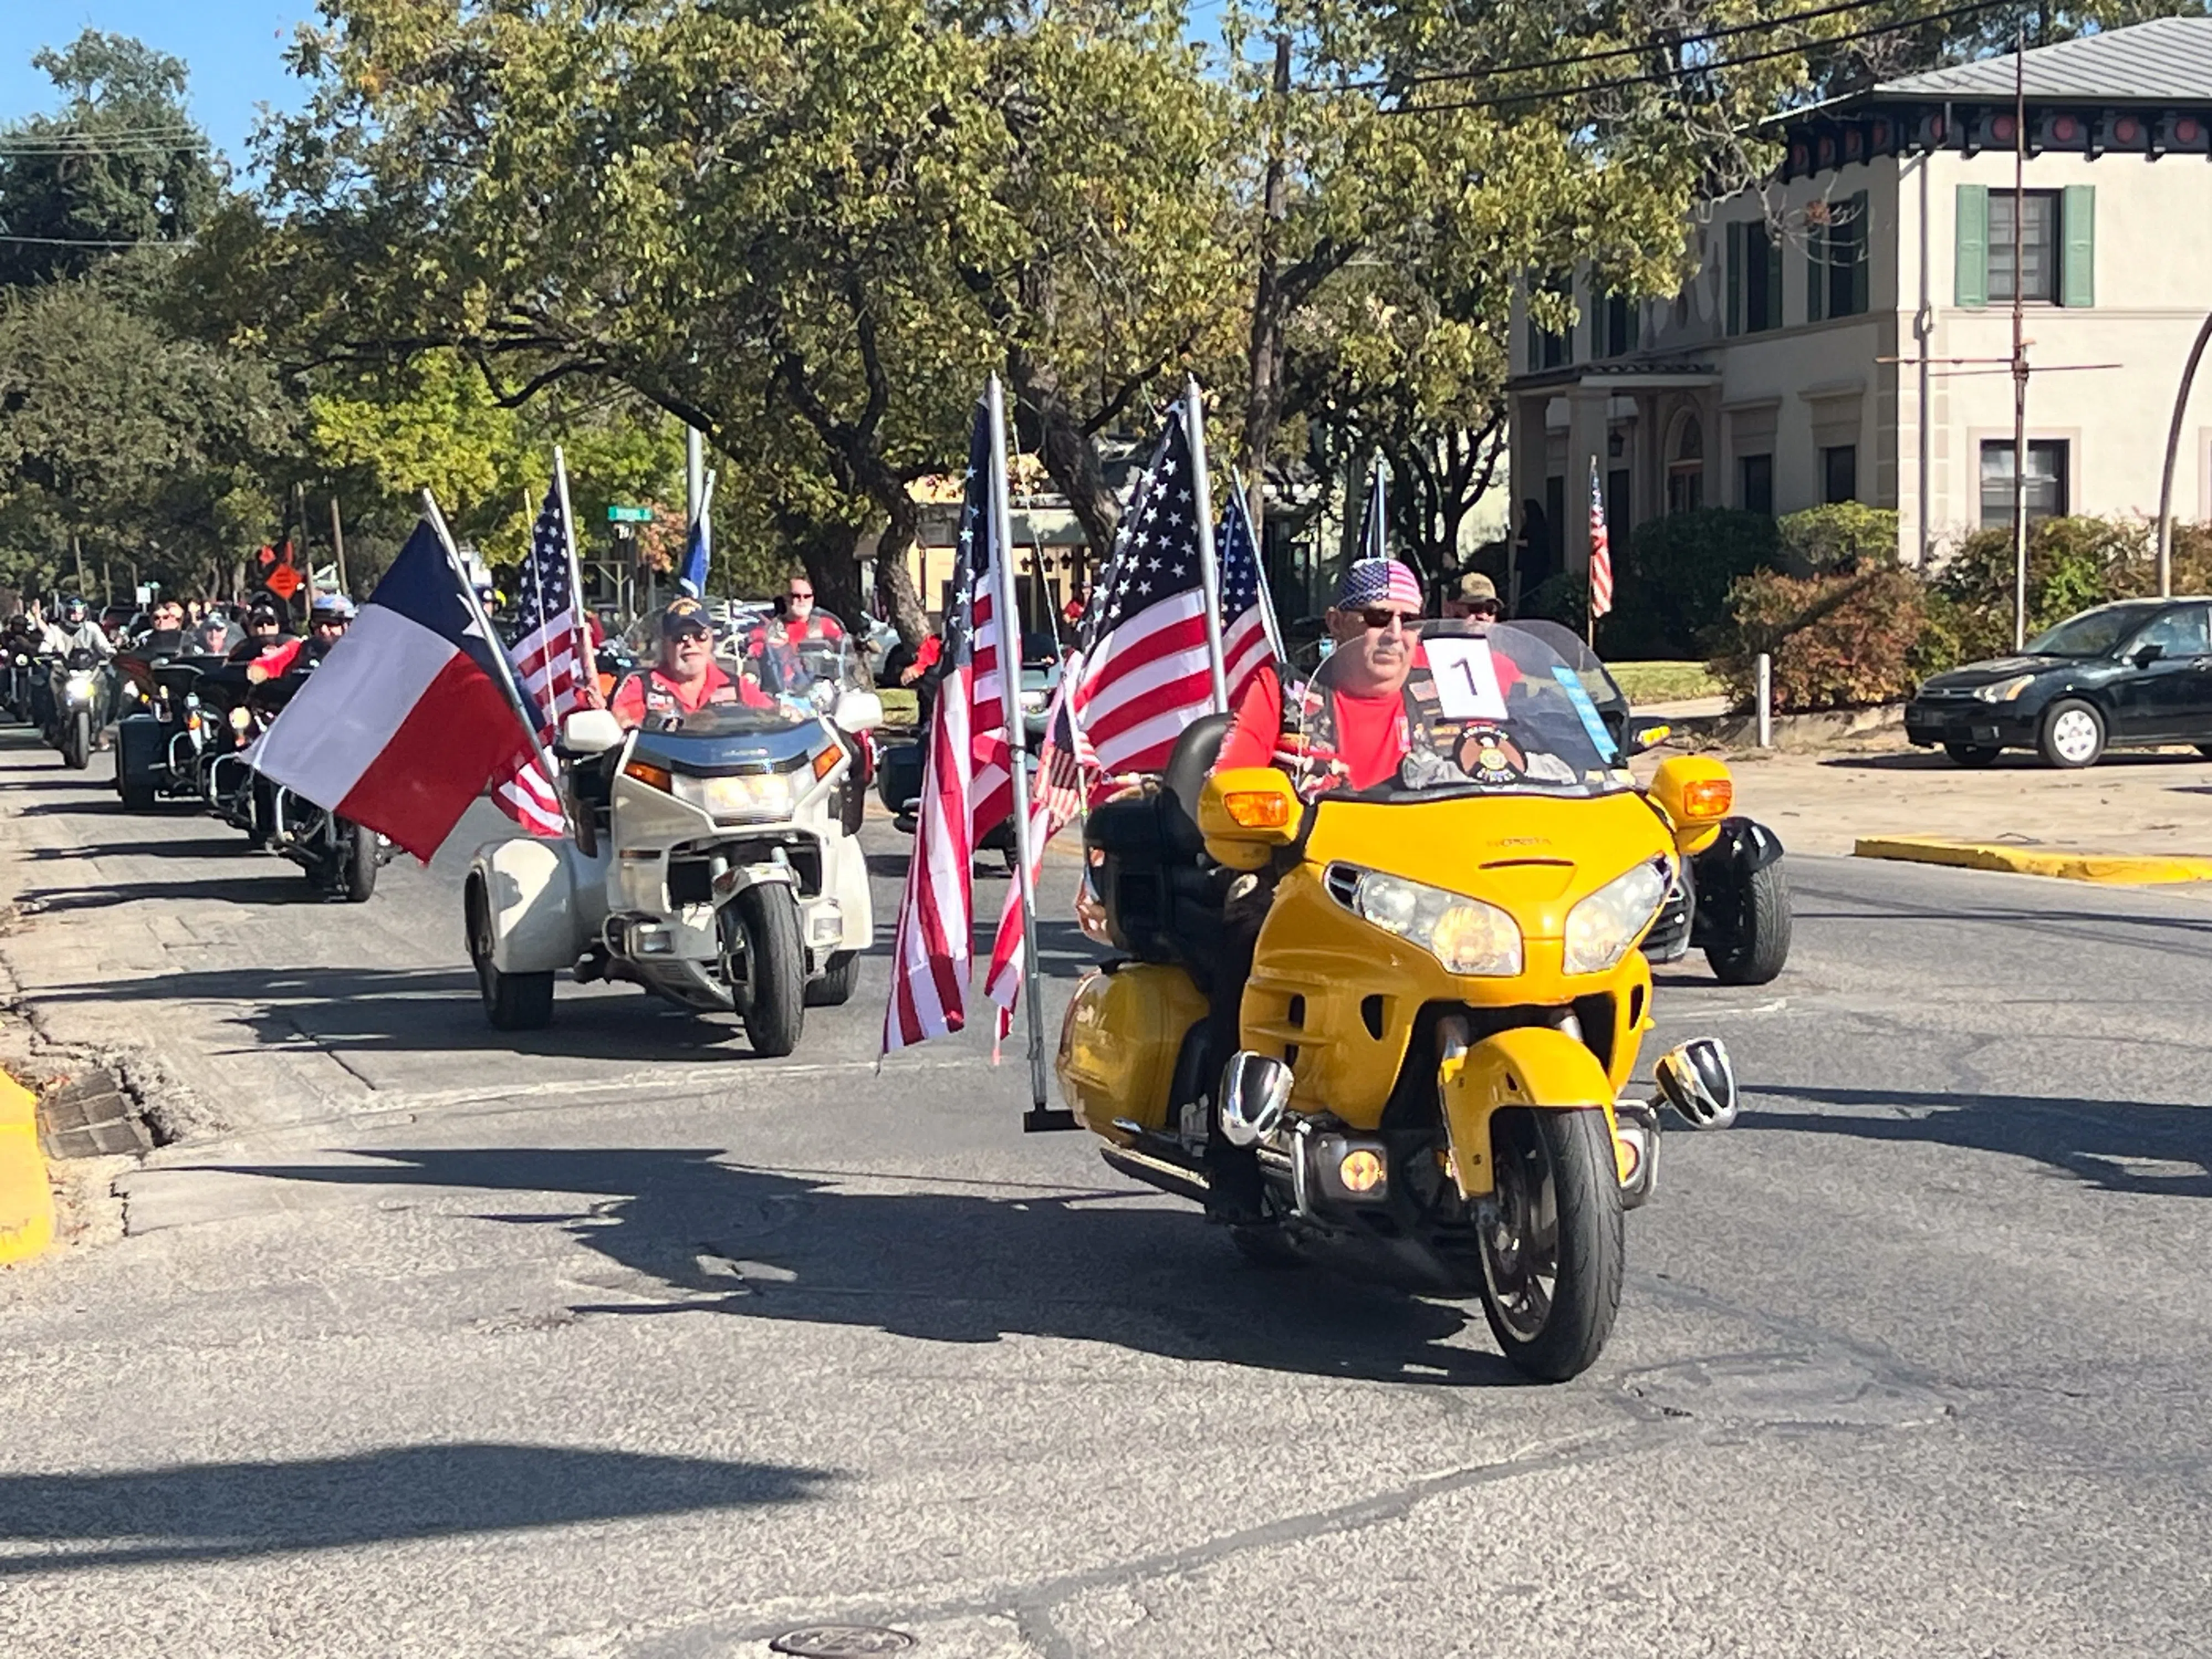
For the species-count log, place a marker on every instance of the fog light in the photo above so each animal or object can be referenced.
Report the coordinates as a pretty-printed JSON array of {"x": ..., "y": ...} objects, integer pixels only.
[
  {"x": 1361, "y": 1171},
  {"x": 827, "y": 926},
  {"x": 651, "y": 938}
]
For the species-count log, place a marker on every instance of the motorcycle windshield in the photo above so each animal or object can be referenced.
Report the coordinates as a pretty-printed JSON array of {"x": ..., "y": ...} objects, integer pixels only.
[{"x": 1451, "y": 709}]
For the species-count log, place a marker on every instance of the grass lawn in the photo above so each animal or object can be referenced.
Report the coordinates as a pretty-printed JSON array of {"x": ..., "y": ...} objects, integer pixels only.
[{"x": 1665, "y": 681}]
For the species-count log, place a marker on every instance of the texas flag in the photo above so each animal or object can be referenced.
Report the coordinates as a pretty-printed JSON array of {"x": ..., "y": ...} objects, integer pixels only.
[{"x": 405, "y": 720}]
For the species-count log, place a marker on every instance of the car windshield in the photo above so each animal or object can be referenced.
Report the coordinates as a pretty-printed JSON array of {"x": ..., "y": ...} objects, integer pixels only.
[
  {"x": 2093, "y": 633},
  {"x": 1483, "y": 710}
]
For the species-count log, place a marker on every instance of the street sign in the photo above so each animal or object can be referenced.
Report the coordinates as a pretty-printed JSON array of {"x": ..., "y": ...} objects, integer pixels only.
[
  {"x": 629, "y": 515},
  {"x": 283, "y": 581}
]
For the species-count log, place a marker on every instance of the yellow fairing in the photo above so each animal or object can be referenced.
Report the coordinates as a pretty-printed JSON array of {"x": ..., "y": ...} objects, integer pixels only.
[
  {"x": 1530, "y": 1066},
  {"x": 1119, "y": 1041},
  {"x": 1337, "y": 996}
]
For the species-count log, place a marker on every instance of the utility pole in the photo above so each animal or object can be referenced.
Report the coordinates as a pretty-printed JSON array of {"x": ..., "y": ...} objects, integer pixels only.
[
  {"x": 2019, "y": 342},
  {"x": 337, "y": 544},
  {"x": 1266, "y": 400},
  {"x": 695, "y": 474}
]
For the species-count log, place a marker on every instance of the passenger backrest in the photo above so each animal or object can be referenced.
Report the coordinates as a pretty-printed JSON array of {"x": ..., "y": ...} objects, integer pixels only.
[{"x": 1184, "y": 782}]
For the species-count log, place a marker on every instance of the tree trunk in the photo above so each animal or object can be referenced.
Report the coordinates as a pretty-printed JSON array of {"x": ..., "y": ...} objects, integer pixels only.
[
  {"x": 908, "y": 610},
  {"x": 1071, "y": 458}
]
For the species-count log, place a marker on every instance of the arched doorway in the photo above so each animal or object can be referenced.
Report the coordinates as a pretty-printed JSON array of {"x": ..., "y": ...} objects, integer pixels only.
[{"x": 1685, "y": 464}]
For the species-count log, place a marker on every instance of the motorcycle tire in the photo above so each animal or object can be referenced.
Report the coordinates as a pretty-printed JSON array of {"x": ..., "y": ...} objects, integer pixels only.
[
  {"x": 1759, "y": 942},
  {"x": 775, "y": 998},
  {"x": 834, "y": 988},
  {"x": 1558, "y": 1164},
  {"x": 77, "y": 742},
  {"x": 357, "y": 877},
  {"x": 512, "y": 1002}
]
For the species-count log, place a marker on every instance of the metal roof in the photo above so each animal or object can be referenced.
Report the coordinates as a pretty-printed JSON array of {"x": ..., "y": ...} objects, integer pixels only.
[{"x": 2167, "y": 58}]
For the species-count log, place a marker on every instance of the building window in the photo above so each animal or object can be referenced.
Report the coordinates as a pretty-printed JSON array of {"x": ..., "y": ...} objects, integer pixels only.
[
  {"x": 2046, "y": 479},
  {"x": 1836, "y": 249},
  {"x": 1840, "y": 473},
  {"x": 1755, "y": 482},
  {"x": 1755, "y": 279},
  {"x": 1616, "y": 326},
  {"x": 1686, "y": 468},
  {"x": 2040, "y": 244}
]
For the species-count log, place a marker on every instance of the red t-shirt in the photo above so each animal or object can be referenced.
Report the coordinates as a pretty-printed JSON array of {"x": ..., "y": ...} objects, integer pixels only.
[
  {"x": 1370, "y": 733},
  {"x": 651, "y": 692}
]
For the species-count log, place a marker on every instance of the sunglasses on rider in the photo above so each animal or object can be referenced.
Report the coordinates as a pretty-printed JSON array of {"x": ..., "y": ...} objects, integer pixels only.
[{"x": 1378, "y": 617}]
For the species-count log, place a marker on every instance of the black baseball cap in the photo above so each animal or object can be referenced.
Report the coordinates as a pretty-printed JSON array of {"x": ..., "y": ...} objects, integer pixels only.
[{"x": 684, "y": 616}]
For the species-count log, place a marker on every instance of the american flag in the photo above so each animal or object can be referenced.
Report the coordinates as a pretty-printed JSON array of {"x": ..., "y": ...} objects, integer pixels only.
[
  {"x": 1147, "y": 672},
  {"x": 552, "y": 664},
  {"x": 1248, "y": 633},
  {"x": 966, "y": 787},
  {"x": 1600, "y": 563},
  {"x": 1064, "y": 760}
]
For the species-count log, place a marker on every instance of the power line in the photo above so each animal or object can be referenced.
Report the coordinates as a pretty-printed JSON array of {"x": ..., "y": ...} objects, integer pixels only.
[
  {"x": 1654, "y": 43},
  {"x": 1672, "y": 75}
]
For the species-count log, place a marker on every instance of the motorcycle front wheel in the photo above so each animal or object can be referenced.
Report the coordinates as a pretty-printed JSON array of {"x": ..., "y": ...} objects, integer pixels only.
[
  {"x": 772, "y": 991},
  {"x": 1552, "y": 1242},
  {"x": 77, "y": 741},
  {"x": 357, "y": 876}
]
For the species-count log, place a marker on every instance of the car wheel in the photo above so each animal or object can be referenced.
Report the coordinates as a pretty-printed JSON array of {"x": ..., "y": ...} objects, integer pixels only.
[
  {"x": 2073, "y": 734},
  {"x": 1973, "y": 754}
]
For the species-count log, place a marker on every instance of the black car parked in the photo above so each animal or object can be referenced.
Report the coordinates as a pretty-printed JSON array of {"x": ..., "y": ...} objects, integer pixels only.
[{"x": 2134, "y": 674}]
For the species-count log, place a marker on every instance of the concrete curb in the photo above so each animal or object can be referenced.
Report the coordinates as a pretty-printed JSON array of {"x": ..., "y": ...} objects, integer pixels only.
[
  {"x": 27, "y": 1201},
  {"x": 2127, "y": 869}
]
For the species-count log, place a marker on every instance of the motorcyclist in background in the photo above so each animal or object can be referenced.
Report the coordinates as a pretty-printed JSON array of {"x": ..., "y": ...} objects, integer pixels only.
[
  {"x": 264, "y": 631},
  {"x": 327, "y": 621},
  {"x": 75, "y": 631},
  {"x": 165, "y": 633}
]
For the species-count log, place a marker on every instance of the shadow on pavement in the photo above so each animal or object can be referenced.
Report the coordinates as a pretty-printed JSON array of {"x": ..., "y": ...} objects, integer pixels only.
[
  {"x": 945, "y": 1267},
  {"x": 206, "y": 847},
  {"x": 274, "y": 883},
  {"x": 370, "y": 1011},
  {"x": 220, "y": 1511},
  {"x": 2095, "y": 1141}
]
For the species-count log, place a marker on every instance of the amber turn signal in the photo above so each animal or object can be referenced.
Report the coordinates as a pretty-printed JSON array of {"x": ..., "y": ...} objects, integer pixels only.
[
  {"x": 1257, "y": 809},
  {"x": 1708, "y": 798},
  {"x": 646, "y": 772},
  {"x": 827, "y": 760}
]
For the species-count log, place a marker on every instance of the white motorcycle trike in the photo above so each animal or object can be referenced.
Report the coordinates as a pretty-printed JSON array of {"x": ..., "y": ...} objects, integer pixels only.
[{"x": 714, "y": 859}]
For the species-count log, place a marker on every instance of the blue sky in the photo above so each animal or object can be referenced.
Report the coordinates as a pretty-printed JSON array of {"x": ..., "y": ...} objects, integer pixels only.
[{"x": 235, "y": 49}]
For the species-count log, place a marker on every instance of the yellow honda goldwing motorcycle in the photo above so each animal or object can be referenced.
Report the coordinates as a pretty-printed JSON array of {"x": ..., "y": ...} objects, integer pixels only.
[{"x": 1446, "y": 1001}]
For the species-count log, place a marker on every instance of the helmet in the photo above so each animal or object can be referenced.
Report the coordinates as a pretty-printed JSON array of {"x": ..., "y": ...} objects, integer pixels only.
[
  {"x": 1696, "y": 1081},
  {"x": 72, "y": 606},
  {"x": 331, "y": 607},
  {"x": 264, "y": 616}
]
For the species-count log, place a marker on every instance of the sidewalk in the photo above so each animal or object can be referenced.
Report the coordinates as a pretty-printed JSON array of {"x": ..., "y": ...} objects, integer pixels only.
[{"x": 2158, "y": 802}]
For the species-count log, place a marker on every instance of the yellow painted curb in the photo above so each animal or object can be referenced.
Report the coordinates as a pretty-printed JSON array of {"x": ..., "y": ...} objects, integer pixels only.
[
  {"x": 26, "y": 1202},
  {"x": 2119, "y": 869}
]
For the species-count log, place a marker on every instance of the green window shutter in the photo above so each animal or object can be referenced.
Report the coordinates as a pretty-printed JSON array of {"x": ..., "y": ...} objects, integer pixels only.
[
  {"x": 1861, "y": 252},
  {"x": 2078, "y": 223},
  {"x": 1816, "y": 271},
  {"x": 1735, "y": 278},
  {"x": 1773, "y": 278},
  {"x": 1973, "y": 246}
]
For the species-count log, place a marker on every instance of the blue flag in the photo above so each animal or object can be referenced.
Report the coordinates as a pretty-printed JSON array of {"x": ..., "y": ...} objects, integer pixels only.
[{"x": 697, "y": 553}]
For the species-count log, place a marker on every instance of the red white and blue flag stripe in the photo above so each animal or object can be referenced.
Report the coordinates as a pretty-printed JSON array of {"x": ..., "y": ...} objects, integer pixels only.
[
  {"x": 966, "y": 786},
  {"x": 1601, "y": 546},
  {"x": 405, "y": 720},
  {"x": 553, "y": 665}
]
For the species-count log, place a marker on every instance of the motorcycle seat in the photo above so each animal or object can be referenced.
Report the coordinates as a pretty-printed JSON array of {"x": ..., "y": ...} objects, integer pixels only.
[{"x": 1163, "y": 896}]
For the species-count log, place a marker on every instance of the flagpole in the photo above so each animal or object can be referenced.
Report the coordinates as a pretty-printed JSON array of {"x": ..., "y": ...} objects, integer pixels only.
[
  {"x": 1039, "y": 1116},
  {"x": 1209, "y": 573},
  {"x": 587, "y": 660},
  {"x": 1590, "y": 619},
  {"x": 506, "y": 669},
  {"x": 1267, "y": 593}
]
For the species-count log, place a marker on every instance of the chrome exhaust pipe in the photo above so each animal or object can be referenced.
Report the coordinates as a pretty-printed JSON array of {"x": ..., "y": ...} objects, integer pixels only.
[{"x": 1255, "y": 1090}]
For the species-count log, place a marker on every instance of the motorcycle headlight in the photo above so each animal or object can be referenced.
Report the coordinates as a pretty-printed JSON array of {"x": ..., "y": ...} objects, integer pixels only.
[
  {"x": 2005, "y": 690},
  {"x": 1602, "y": 927},
  {"x": 1465, "y": 934},
  {"x": 241, "y": 720},
  {"x": 751, "y": 795},
  {"x": 78, "y": 685}
]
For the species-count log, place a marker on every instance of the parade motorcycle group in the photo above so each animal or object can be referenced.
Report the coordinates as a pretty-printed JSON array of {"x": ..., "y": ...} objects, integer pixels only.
[{"x": 1375, "y": 933}]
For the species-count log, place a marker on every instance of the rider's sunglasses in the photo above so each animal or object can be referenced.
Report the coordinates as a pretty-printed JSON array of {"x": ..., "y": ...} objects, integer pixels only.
[{"x": 1379, "y": 618}]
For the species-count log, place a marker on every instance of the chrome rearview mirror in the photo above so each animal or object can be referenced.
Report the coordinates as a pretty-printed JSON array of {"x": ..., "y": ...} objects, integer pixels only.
[
  {"x": 591, "y": 732},
  {"x": 1698, "y": 1081},
  {"x": 1256, "y": 1090}
]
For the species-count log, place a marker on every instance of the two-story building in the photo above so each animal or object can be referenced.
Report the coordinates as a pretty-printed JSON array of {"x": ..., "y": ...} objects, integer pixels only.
[{"x": 1846, "y": 335}]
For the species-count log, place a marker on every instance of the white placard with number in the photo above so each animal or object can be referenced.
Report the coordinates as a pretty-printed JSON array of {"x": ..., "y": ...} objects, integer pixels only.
[{"x": 1466, "y": 679}]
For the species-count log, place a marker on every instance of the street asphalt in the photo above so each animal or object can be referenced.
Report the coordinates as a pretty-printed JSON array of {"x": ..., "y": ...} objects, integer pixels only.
[{"x": 615, "y": 1343}]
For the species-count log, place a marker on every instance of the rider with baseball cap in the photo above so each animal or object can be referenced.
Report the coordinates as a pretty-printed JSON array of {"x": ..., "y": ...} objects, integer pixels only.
[{"x": 685, "y": 677}]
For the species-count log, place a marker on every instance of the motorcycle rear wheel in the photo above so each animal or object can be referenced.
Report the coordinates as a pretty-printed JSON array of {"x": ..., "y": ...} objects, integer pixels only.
[
  {"x": 774, "y": 989},
  {"x": 834, "y": 988},
  {"x": 357, "y": 876},
  {"x": 1553, "y": 1248},
  {"x": 1760, "y": 947},
  {"x": 77, "y": 741},
  {"x": 512, "y": 1002}
]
